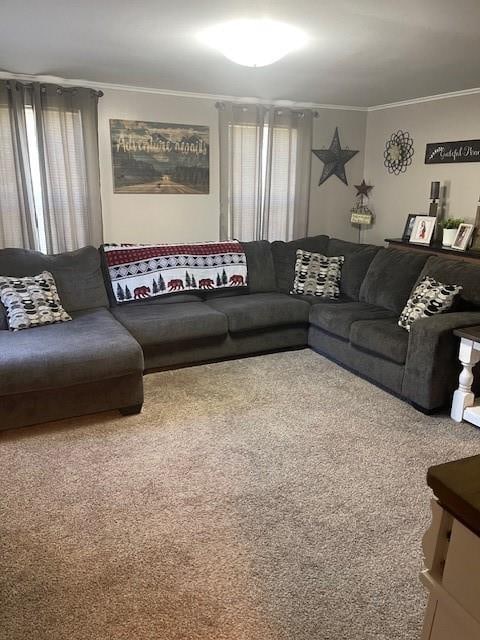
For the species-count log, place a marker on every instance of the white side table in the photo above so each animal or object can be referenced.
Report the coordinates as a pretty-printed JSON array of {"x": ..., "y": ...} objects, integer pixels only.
[
  {"x": 451, "y": 548},
  {"x": 464, "y": 406}
]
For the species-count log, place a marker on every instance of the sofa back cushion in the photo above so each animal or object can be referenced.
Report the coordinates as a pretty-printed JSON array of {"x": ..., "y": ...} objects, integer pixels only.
[
  {"x": 459, "y": 272},
  {"x": 261, "y": 272},
  {"x": 357, "y": 261},
  {"x": 390, "y": 278},
  {"x": 77, "y": 274},
  {"x": 167, "y": 298},
  {"x": 3, "y": 319},
  {"x": 285, "y": 255}
]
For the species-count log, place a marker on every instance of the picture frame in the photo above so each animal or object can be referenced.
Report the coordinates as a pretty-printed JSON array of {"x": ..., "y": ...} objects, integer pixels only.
[
  {"x": 462, "y": 239},
  {"x": 423, "y": 229},
  {"x": 160, "y": 157},
  {"x": 407, "y": 231}
]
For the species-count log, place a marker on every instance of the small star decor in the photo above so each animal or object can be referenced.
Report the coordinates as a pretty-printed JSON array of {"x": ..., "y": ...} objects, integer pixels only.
[
  {"x": 398, "y": 152},
  {"x": 363, "y": 189},
  {"x": 334, "y": 159},
  {"x": 361, "y": 214}
]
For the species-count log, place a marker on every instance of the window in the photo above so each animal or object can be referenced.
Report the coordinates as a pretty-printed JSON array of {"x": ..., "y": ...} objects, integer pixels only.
[
  {"x": 36, "y": 179},
  {"x": 263, "y": 182},
  {"x": 49, "y": 170},
  {"x": 265, "y": 172}
]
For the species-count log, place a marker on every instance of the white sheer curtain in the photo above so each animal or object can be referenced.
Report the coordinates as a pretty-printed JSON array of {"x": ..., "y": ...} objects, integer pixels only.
[{"x": 264, "y": 171}]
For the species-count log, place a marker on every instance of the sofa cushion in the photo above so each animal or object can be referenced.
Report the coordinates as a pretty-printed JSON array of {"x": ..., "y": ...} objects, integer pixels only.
[
  {"x": 93, "y": 346},
  {"x": 337, "y": 319},
  {"x": 357, "y": 261},
  {"x": 284, "y": 256},
  {"x": 318, "y": 299},
  {"x": 77, "y": 274},
  {"x": 175, "y": 298},
  {"x": 261, "y": 272},
  {"x": 153, "y": 324},
  {"x": 459, "y": 272},
  {"x": 261, "y": 310},
  {"x": 381, "y": 337},
  {"x": 391, "y": 277}
]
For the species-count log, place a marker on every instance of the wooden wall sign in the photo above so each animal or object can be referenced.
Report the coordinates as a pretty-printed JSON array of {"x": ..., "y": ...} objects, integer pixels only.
[{"x": 452, "y": 152}]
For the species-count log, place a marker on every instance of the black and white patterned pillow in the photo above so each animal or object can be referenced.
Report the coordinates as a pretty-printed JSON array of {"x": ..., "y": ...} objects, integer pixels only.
[
  {"x": 427, "y": 299},
  {"x": 317, "y": 275},
  {"x": 32, "y": 301}
]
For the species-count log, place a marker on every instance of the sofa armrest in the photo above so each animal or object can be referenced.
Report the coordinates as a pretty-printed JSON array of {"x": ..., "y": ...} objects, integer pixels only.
[{"x": 432, "y": 366}]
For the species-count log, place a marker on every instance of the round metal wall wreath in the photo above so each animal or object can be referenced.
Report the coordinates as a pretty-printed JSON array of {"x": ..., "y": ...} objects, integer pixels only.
[{"x": 398, "y": 152}]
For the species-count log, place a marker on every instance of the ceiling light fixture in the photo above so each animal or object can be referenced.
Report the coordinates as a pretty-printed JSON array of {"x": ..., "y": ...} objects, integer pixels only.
[{"x": 254, "y": 43}]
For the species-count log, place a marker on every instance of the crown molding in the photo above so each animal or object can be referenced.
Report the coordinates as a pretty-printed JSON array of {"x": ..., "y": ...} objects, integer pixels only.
[
  {"x": 219, "y": 98},
  {"x": 167, "y": 92},
  {"x": 439, "y": 96}
]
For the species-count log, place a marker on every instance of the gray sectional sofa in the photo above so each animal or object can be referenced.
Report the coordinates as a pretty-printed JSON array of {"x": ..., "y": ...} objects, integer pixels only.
[{"x": 96, "y": 362}]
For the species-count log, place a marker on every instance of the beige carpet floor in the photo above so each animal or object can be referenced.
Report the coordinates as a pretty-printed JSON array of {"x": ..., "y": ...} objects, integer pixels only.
[{"x": 271, "y": 498}]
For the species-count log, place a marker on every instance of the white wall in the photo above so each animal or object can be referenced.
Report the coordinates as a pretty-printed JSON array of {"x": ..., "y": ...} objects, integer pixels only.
[
  {"x": 171, "y": 218},
  {"x": 153, "y": 217},
  {"x": 330, "y": 203},
  {"x": 394, "y": 197}
]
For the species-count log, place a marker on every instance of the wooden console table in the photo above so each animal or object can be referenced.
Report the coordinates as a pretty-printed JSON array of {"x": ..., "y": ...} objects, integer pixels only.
[
  {"x": 434, "y": 249},
  {"x": 451, "y": 549},
  {"x": 463, "y": 403}
]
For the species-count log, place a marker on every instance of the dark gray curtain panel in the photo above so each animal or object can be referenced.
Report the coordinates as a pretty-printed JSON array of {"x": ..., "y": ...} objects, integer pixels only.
[{"x": 17, "y": 207}]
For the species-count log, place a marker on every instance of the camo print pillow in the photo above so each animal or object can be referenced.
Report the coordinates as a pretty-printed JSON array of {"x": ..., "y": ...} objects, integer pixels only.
[
  {"x": 31, "y": 302},
  {"x": 427, "y": 299}
]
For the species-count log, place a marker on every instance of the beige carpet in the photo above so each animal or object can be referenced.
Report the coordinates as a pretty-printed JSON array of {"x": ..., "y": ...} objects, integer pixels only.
[{"x": 270, "y": 498}]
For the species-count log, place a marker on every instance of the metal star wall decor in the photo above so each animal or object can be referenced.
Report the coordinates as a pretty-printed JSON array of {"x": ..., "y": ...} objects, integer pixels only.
[
  {"x": 363, "y": 189},
  {"x": 334, "y": 159}
]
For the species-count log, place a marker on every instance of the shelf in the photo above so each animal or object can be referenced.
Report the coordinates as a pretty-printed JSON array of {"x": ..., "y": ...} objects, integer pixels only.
[{"x": 435, "y": 249}]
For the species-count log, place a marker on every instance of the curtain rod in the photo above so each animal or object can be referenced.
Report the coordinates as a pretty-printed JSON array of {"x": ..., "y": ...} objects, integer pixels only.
[
  {"x": 221, "y": 106},
  {"x": 12, "y": 82}
]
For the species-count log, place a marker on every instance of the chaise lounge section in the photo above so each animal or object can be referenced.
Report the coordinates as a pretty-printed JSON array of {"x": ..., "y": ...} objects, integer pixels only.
[
  {"x": 67, "y": 369},
  {"x": 96, "y": 361}
]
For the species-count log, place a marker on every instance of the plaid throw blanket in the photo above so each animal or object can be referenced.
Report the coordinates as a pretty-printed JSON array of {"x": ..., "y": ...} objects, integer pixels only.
[{"x": 138, "y": 272}]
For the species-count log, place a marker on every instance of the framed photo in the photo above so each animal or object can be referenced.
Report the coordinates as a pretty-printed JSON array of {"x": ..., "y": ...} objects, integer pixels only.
[
  {"x": 423, "y": 229},
  {"x": 407, "y": 232},
  {"x": 462, "y": 239}
]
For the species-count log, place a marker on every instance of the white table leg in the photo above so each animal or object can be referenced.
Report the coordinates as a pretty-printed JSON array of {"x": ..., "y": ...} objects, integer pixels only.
[{"x": 463, "y": 396}]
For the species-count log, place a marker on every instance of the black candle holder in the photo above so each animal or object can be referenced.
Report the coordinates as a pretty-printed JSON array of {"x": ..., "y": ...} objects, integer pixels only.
[{"x": 434, "y": 197}]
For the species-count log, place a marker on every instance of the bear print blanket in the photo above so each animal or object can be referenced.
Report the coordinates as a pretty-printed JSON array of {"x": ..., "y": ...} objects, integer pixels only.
[{"x": 138, "y": 272}]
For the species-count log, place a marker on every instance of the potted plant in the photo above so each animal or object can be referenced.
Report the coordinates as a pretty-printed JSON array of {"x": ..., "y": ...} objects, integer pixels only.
[{"x": 450, "y": 226}]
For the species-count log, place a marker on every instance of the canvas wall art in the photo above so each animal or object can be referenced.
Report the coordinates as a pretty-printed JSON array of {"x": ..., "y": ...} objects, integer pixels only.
[
  {"x": 156, "y": 157},
  {"x": 452, "y": 152}
]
